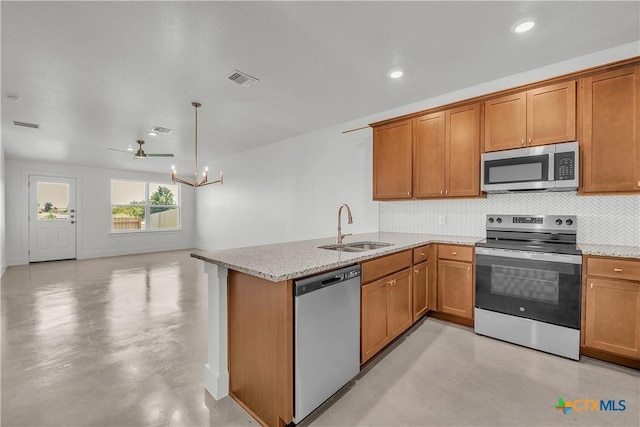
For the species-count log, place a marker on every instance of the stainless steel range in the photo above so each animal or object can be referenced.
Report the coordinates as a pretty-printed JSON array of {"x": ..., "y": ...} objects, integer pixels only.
[{"x": 528, "y": 282}]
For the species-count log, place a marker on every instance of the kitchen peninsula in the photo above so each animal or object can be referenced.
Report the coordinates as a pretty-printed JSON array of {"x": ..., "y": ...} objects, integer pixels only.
[{"x": 250, "y": 313}]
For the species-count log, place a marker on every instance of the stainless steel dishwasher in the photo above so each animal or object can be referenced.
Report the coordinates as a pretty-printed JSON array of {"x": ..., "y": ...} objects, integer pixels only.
[{"x": 327, "y": 336}]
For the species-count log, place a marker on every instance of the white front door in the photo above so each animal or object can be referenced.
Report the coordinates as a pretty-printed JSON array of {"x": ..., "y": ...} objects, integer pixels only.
[{"x": 52, "y": 218}]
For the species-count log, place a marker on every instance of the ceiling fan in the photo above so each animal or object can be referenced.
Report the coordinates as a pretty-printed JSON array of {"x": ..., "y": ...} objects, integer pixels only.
[{"x": 140, "y": 154}]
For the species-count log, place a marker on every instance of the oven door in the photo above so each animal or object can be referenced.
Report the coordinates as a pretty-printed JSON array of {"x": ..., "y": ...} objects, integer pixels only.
[
  {"x": 521, "y": 169},
  {"x": 534, "y": 285}
]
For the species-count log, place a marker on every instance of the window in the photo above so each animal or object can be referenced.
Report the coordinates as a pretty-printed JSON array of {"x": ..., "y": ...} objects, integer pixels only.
[{"x": 144, "y": 206}]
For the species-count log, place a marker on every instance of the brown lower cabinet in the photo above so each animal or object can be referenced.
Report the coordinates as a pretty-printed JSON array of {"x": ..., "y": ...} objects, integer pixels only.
[
  {"x": 455, "y": 288},
  {"x": 611, "y": 295},
  {"x": 456, "y": 281},
  {"x": 386, "y": 311}
]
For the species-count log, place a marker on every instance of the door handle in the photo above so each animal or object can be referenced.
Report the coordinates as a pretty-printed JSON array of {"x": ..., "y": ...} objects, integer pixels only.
[
  {"x": 73, "y": 210},
  {"x": 73, "y": 222}
]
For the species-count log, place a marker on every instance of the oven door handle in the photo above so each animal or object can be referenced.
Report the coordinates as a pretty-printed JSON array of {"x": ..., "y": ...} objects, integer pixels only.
[{"x": 533, "y": 256}]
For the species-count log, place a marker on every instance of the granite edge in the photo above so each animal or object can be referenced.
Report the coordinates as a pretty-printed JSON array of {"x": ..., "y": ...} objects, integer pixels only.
[
  {"x": 613, "y": 251},
  {"x": 459, "y": 240}
]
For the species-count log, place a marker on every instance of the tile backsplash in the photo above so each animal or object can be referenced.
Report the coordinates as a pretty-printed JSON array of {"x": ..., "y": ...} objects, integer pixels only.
[{"x": 606, "y": 220}]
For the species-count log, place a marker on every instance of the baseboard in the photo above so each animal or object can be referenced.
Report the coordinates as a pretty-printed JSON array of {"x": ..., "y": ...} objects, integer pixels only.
[
  {"x": 129, "y": 251},
  {"x": 452, "y": 318},
  {"x": 609, "y": 357},
  {"x": 17, "y": 261},
  {"x": 205, "y": 247}
]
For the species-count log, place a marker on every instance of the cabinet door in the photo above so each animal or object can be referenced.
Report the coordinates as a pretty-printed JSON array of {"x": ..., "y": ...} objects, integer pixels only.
[
  {"x": 551, "y": 114},
  {"x": 463, "y": 151},
  {"x": 505, "y": 122},
  {"x": 392, "y": 158},
  {"x": 612, "y": 318},
  {"x": 429, "y": 153},
  {"x": 400, "y": 310},
  {"x": 455, "y": 288},
  {"x": 610, "y": 134},
  {"x": 374, "y": 335},
  {"x": 420, "y": 290}
]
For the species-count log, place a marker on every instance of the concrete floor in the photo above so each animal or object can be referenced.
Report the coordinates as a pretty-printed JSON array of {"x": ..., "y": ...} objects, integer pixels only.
[{"x": 122, "y": 342}]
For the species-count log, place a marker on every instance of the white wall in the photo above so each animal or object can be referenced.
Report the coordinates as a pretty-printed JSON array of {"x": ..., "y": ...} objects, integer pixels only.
[
  {"x": 3, "y": 252},
  {"x": 291, "y": 190},
  {"x": 94, "y": 213}
]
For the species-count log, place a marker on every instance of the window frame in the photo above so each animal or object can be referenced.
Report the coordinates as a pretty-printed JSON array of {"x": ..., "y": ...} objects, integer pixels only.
[{"x": 147, "y": 206}]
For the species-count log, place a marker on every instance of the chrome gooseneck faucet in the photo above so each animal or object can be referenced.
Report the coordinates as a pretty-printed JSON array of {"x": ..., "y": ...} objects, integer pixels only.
[{"x": 349, "y": 220}]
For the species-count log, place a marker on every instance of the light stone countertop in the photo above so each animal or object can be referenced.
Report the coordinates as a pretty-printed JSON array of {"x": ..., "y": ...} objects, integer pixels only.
[
  {"x": 610, "y": 250},
  {"x": 283, "y": 261}
]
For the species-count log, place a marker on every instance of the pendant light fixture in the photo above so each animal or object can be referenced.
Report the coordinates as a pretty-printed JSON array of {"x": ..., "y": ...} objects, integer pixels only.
[{"x": 204, "y": 181}]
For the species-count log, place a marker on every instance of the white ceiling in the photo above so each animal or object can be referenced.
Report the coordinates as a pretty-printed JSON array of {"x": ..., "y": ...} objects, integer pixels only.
[{"x": 100, "y": 74}]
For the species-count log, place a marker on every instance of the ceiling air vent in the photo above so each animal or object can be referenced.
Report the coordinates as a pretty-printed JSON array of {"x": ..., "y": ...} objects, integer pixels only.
[
  {"x": 242, "y": 79},
  {"x": 26, "y": 125},
  {"x": 160, "y": 129}
]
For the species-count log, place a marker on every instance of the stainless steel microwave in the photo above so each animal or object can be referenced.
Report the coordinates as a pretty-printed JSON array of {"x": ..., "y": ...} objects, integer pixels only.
[{"x": 545, "y": 168}]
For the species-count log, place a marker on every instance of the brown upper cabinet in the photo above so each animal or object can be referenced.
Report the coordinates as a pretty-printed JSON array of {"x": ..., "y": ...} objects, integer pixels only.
[
  {"x": 429, "y": 155},
  {"x": 392, "y": 158},
  {"x": 610, "y": 138},
  {"x": 539, "y": 116},
  {"x": 447, "y": 153}
]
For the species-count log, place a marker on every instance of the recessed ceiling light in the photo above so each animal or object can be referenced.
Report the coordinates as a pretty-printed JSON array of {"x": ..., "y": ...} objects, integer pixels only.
[
  {"x": 152, "y": 133},
  {"x": 396, "y": 74},
  {"x": 523, "y": 27}
]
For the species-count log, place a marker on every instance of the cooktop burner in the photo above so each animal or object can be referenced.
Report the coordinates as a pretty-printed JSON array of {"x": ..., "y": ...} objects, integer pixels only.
[{"x": 538, "y": 233}]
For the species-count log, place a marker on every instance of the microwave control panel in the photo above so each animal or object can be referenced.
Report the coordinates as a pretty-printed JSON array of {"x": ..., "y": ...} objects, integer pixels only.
[{"x": 565, "y": 166}]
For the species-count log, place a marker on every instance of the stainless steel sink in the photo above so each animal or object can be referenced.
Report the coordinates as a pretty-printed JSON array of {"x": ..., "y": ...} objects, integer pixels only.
[{"x": 356, "y": 246}]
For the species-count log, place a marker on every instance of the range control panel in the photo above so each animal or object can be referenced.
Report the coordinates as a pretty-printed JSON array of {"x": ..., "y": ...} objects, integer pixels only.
[{"x": 552, "y": 223}]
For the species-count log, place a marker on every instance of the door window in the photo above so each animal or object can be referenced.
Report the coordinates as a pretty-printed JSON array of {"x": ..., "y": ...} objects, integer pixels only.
[{"x": 53, "y": 201}]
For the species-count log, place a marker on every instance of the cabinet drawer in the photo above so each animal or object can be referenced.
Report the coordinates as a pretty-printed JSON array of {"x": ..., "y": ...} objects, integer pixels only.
[
  {"x": 420, "y": 254},
  {"x": 456, "y": 252},
  {"x": 626, "y": 269},
  {"x": 383, "y": 266}
]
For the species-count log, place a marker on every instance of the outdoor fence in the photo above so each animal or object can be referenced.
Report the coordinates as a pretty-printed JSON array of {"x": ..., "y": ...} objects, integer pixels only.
[
  {"x": 127, "y": 223},
  {"x": 165, "y": 219}
]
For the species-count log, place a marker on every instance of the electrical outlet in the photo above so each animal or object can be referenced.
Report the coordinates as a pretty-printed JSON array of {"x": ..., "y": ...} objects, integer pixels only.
[{"x": 442, "y": 219}]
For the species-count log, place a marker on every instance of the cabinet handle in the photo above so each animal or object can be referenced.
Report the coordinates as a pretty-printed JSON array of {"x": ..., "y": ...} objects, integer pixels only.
[
  {"x": 454, "y": 253},
  {"x": 392, "y": 282},
  {"x": 415, "y": 271},
  {"x": 591, "y": 285},
  {"x": 522, "y": 143},
  {"x": 617, "y": 270},
  {"x": 638, "y": 183},
  {"x": 421, "y": 253},
  {"x": 408, "y": 193},
  {"x": 446, "y": 192},
  {"x": 441, "y": 190},
  {"x": 529, "y": 141},
  {"x": 468, "y": 268}
]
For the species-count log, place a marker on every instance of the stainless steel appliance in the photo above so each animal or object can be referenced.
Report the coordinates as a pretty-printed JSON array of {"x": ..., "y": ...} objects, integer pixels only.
[
  {"x": 327, "y": 336},
  {"x": 528, "y": 282},
  {"x": 545, "y": 168}
]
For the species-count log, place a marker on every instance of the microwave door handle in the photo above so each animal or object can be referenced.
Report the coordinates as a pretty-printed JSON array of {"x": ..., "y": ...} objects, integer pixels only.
[{"x": 552, "y": 167}]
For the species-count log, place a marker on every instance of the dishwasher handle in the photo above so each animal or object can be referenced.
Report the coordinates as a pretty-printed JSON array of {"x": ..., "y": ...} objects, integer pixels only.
[{"x": 325, "y": 280}]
